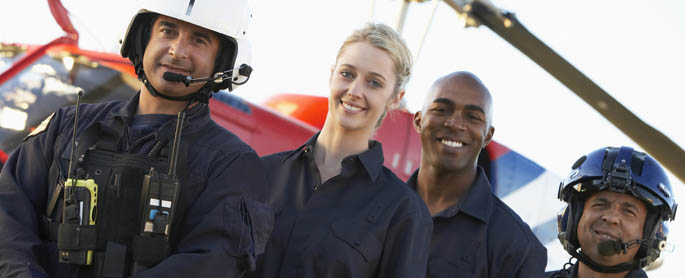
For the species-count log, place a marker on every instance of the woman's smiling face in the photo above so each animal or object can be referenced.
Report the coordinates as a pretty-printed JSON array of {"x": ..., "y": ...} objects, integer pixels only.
[{"x": 362, "y": 87}]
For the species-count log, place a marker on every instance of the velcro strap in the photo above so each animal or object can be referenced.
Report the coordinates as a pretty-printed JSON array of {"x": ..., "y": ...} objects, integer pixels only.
[
  {"x": 71, "y": 213},
  {"x": 76, "y": 237},
  {"x": 149, "y": 250}
]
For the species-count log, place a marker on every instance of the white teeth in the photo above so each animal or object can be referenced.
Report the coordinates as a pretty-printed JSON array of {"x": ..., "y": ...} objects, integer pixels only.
[
  {"x": 605, "y": 236},
  {"x": 350, "y": 107},
  {"x": 452, "y": 144}
]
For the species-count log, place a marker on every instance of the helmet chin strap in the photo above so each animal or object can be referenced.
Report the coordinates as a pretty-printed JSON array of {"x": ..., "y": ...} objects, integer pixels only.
[
  {"x": 622, "y": 267},
  {"x": 201, "y": 95}
]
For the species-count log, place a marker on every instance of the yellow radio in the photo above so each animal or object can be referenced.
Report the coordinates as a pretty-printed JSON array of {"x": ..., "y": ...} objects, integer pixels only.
[{"x": 82, "y": 211}]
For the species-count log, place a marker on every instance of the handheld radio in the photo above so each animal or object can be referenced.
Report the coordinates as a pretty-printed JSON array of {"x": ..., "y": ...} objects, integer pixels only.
[
  {"x": 158, "y": 205},
  {"x": 77, "y": 235}
]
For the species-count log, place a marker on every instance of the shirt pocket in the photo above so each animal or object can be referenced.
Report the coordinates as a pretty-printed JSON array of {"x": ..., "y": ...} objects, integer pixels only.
[
  {"x": 249, "y": 225},
  {"x": 360, "y": 237},
  {"x": 236, "y": 224}
]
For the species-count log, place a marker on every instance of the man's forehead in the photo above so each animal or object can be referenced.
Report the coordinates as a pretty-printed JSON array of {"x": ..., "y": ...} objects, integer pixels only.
[
  {"x": 615, "y": 197},
  {"x": 162, "y": 19},
  {"x": 459, "y": 88}
]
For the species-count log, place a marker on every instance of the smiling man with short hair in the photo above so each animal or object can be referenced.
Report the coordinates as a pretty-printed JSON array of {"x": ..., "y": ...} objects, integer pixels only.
[{"x": 474, "y": 233}]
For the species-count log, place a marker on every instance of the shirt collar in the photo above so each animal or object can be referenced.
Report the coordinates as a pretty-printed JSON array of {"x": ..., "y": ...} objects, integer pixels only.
[
  {"x": 126, "y": 112},
  {"x": 476, "y": 203},
  {"x": 305, "y": 148},
  {"x": 372, "y": 158},
  {"x": 196, "y": 117},
  {"x": 637, "y": 273}
]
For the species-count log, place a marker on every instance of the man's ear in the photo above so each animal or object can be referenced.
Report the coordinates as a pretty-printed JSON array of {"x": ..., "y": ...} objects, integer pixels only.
[
  {"x": 417, "y": 121},
  {"x": 488, "y": 136}
]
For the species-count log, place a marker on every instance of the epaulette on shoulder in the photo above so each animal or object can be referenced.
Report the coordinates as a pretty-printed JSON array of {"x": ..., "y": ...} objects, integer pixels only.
[{"x": 41, "y": 127}]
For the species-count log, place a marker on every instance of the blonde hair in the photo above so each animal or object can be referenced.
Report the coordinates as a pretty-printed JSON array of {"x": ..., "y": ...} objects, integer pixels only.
[{"x": 385, "y": 38}]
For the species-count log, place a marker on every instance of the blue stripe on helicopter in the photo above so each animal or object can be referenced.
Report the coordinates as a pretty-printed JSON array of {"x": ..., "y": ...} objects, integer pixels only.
[{"x": 512, "y": 171}]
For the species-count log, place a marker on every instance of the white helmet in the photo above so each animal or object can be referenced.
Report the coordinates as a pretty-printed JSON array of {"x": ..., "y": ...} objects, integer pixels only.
[{"x": 229, "y": 18}]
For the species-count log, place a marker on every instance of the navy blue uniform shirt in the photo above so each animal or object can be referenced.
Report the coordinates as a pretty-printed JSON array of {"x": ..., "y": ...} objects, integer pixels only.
[
  {"x": 573, "y": 273},
  {"x": 222, "y": 181},
  {"x": 482, "y": 237},
  {"x": 364, "y": 222}
]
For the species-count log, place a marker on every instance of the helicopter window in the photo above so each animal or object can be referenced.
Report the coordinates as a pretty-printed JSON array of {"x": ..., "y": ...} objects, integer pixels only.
[
  {"x": 8, "y": 54},
  {"x": 52, "y": 82}
]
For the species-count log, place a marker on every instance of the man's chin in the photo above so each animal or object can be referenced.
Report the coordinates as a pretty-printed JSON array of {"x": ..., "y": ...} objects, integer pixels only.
[
  {"x": 176, "y": 90},
  {"x": 451, "y": 165},
  {"x": 608, "y": 260}
]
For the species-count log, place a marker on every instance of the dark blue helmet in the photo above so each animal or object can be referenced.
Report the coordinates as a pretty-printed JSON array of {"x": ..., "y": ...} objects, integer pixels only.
[{"x": 621, "y": 170}]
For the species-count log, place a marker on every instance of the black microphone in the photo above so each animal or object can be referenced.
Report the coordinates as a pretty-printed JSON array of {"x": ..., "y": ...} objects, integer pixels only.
[
  {"x": 609, "y": 247},
  {"x": 613, "y": 247},
  {"x": 218, "y": 77},
  {"x": 177, "y": 77}
]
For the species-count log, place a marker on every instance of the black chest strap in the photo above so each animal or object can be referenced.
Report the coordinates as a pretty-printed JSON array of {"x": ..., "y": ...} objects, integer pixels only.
[
  {"x": 85, "y": 141},
  {"x": 109, "y": 262}
]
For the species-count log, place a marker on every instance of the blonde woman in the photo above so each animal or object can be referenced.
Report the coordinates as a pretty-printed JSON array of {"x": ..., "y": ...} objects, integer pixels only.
[{"x": 340, "y": 213}]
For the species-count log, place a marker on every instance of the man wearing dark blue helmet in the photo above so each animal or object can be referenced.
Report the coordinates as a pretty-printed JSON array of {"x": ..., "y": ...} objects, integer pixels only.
[{"x": 618, "y": 200}]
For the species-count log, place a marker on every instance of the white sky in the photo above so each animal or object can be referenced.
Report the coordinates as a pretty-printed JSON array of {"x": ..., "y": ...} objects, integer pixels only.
[{"x": 632, "y": 49}]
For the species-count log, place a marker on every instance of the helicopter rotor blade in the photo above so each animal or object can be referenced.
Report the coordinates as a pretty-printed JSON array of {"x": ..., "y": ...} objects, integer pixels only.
[{"x": 505, "y": 24}]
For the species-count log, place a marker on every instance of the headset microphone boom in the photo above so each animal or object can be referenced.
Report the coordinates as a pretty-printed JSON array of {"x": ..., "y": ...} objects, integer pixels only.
[{"x": 218, "y": 77}]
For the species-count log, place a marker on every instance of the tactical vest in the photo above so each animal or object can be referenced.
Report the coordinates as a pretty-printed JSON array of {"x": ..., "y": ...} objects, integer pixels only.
[{"x": 118, "y": 248}]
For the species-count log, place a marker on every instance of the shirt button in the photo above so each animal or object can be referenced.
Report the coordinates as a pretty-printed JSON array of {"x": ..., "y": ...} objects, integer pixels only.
[
  {"x": 315, "y": 188},
  {"x": 357, "y": 243}
]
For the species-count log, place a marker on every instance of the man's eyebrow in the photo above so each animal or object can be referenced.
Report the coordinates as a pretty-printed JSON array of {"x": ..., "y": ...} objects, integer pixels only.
[
  {"x": 600, "y": 200},
  {"x": 203, "y": 35},
  {"x": 168, "y": 24},
  {"x": 445, "y": 101},
  {"x": 630, "y": 205},
  {"x": 466, "y": 107},
  {"x": 474, "y": 107},
  {"x": 199, "y": 34}
]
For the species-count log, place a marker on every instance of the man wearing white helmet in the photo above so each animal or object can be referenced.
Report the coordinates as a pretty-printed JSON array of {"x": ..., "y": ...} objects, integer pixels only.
[{"x": 151, "y": 187}]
